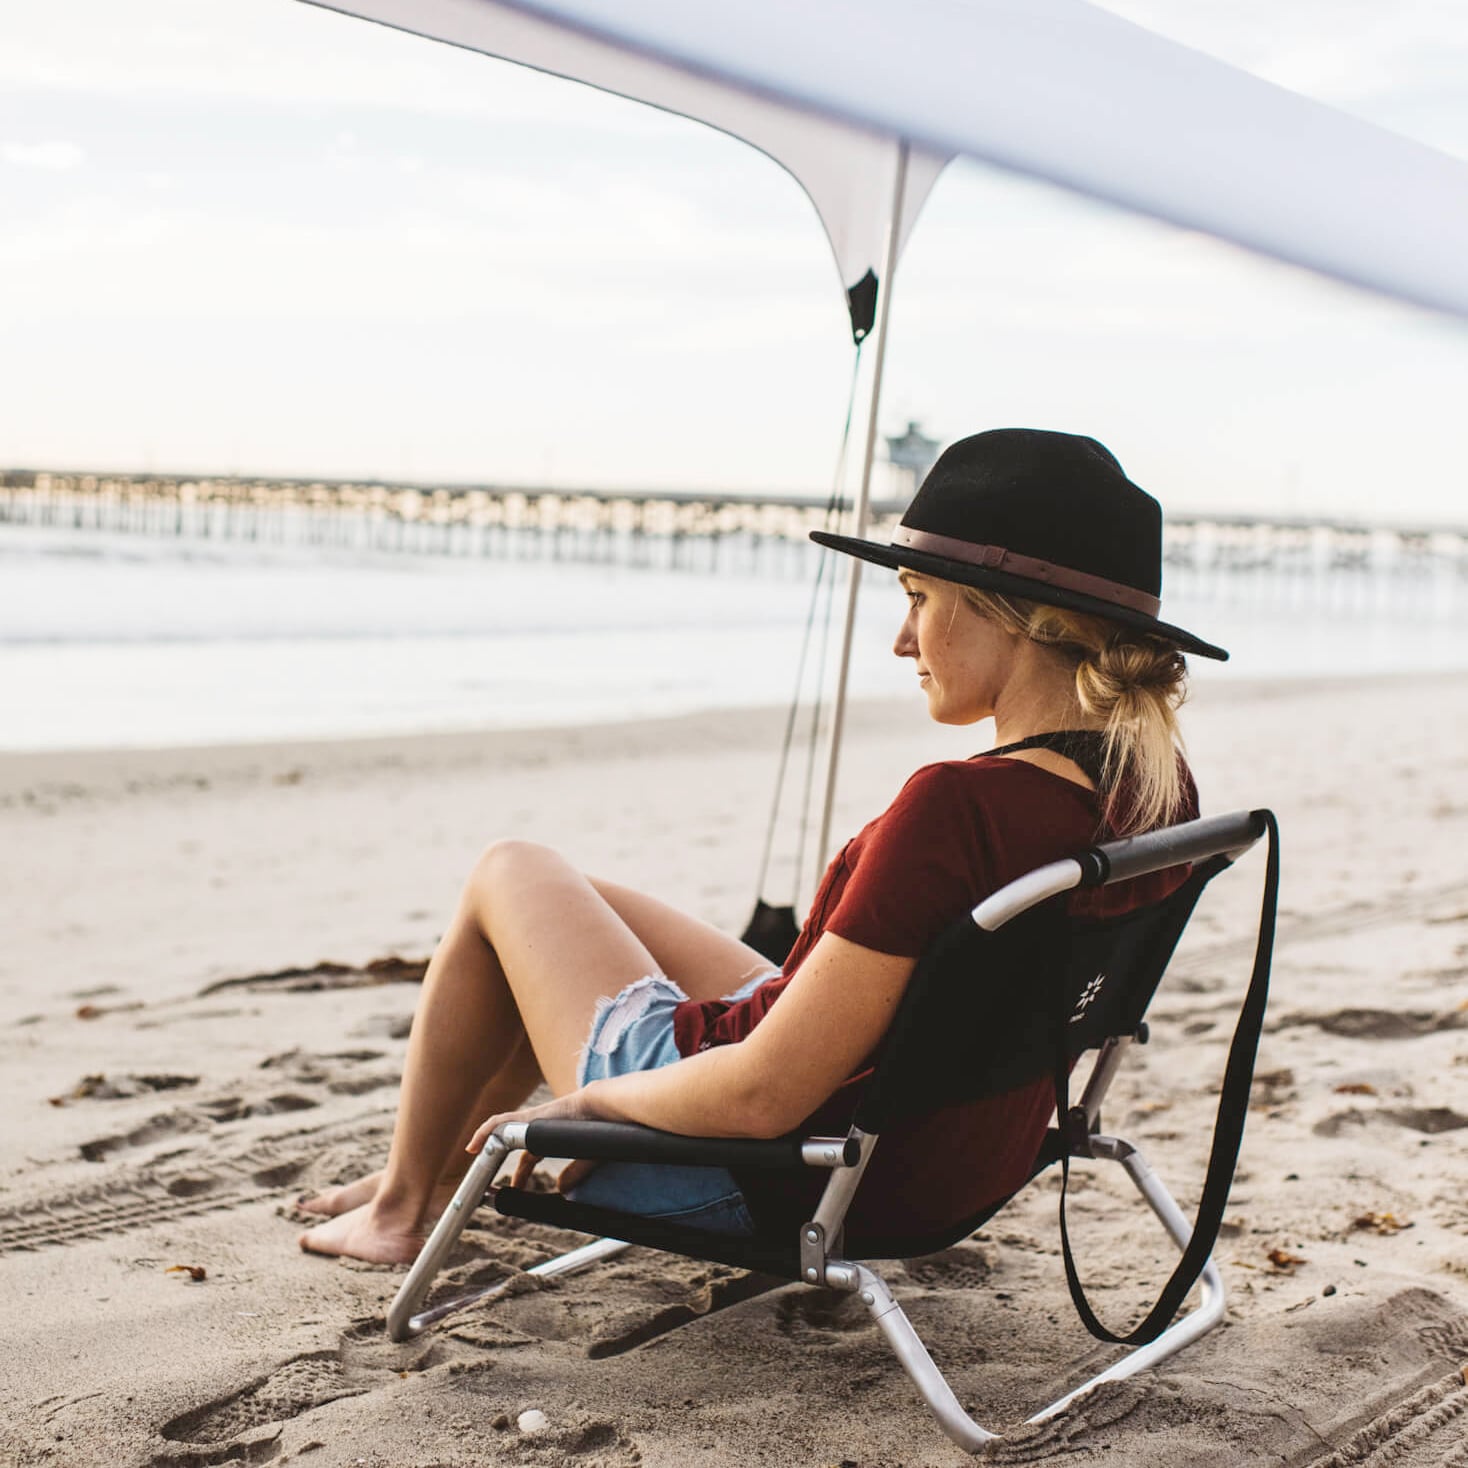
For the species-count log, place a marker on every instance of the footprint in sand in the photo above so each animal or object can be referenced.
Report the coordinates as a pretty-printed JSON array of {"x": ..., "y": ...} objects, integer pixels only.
[
  {"x": 192, "y": 1119},
  {"x": 122, "y": 1088},
  {"x": 298, "y": 1386},
  {"x": 963, "y": 1267},
  {"x": 1378, "y": 1024},
  {"x": 305, "y": 1068},
  {"x": 311, "y": 1066},
  {"x": 602, "y": 1441},
  {"x": 820, "y": 1314},
  {"x": 361, "y": 1085},
  {"x": 155, "y": 1129},
  {"x": 265, "y": 1449},
  {"x": 364, "y": 1361},
  {"x": 1429, "y": 1119},
  {"x": 636, "y": 1325}
]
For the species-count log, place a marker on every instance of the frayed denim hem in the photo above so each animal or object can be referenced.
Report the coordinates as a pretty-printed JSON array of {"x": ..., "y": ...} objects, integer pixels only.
[{"x": 615, "y": 1012}]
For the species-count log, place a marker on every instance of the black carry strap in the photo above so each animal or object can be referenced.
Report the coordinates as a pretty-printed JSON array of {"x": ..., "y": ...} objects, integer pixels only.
[
  {"x": 1228, "y": 1131},
  {"x": 1083, "y": 747}
]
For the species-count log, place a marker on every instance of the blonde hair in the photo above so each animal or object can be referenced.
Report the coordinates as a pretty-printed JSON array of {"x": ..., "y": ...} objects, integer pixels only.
[{"x": 1132, "y": 681}]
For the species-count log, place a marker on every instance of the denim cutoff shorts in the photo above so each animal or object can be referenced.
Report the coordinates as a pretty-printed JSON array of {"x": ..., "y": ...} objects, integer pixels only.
[{"x": 633, "y": 1031}]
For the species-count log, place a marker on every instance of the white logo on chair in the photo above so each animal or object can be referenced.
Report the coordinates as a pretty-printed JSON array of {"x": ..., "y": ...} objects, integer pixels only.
[{"x": 1088, "y": 994}]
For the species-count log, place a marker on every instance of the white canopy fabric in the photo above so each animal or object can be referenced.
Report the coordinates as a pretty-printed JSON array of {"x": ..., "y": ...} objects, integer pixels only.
[
  {"x": 1056, "y": 89},
  {"x": 849, "y": 172}
]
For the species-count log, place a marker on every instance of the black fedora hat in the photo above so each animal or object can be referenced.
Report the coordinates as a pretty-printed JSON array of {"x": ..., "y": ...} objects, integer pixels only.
[{"x": 1047, "y": 516}]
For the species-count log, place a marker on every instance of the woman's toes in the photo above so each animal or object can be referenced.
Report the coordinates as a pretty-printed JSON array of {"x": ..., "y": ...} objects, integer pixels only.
[{"x": 331, "y": 1202}]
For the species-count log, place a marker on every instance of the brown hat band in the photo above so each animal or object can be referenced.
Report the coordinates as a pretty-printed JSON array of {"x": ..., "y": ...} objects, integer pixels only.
[{"x": 996, "y": 558}]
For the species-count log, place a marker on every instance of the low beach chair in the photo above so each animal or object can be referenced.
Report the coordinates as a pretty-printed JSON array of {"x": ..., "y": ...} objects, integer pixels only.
[{"x": 1014, "y": 992}]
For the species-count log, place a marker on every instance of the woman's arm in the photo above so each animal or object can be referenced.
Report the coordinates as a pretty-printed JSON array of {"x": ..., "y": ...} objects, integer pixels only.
[{"x": 827, "y": 1022}]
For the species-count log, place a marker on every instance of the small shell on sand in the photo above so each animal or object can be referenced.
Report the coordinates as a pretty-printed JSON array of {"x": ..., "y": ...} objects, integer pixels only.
[{"x": 532, "y": 1420}]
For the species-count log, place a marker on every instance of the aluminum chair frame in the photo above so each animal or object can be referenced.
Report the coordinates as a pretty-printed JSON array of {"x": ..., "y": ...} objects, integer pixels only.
[{"x": 821, "y": 1263}]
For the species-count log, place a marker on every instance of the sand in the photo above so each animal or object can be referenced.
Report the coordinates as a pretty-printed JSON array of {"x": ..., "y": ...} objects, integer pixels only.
[{"x": 197, "y": 1021}]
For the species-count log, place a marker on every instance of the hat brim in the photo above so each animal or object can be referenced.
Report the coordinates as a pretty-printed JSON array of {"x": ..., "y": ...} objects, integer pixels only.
[{"x": 897, "y": 556}]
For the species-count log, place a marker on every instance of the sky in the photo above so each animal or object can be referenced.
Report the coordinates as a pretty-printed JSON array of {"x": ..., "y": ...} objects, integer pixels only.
[{"x": 253, "y": 236}]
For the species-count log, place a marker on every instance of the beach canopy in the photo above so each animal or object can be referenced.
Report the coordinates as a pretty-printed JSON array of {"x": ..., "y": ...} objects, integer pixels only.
[
  {"x": 1056, "y": 89},
  {"x": 855, "y": 176}
]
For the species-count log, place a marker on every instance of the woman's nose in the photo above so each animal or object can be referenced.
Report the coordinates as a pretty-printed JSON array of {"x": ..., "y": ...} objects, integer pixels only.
[{"x": 906, "y": 644}]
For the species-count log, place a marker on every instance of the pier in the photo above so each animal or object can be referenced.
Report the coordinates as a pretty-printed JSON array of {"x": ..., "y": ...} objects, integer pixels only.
[
  {"x": 681, "y": 530},
  {"x": 1264, "y": 559}
]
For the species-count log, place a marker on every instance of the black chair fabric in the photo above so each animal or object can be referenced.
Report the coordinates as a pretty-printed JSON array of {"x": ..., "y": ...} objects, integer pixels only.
[
  {"x": 978, "y": 1016},
  {"x": 769, "y": 1252},
  {"x": 770, "y": 1255}
]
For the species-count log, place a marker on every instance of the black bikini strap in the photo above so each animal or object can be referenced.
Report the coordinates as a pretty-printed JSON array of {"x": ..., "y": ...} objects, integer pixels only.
[{"x": 1084, "y": 747}]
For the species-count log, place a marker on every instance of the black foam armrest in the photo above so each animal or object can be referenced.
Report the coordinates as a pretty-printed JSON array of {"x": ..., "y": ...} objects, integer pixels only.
[
  {"x": 1192, "y": 841},
  {"x": 618, "y": 1141}
]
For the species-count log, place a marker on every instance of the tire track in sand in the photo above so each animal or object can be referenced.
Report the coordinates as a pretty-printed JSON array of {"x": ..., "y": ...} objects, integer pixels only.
[
  {"x": 1426, "y": 1430},
  {"x": 202, "y": 1180}
]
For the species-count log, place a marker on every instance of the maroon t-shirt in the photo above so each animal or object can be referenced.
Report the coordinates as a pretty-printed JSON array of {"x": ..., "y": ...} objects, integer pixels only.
[{"x": 957, "y": 831}]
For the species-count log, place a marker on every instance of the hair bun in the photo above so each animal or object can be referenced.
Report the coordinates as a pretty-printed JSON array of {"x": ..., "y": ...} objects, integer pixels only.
[{"x": 1126, "y": 663}]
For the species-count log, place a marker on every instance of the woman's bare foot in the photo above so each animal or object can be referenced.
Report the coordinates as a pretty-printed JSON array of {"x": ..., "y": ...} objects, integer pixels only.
[
  {"x": 360, "y": 1234},
  {"x": 333, "y": 1201}
]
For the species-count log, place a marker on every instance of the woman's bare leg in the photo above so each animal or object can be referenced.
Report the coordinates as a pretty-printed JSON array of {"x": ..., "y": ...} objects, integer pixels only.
[
  {"x": 504, "y": 1092},
  {"x": 705, "y": 962},
  {"x": 532, "y": 946},
  {"x": 464, "y": 1032}
]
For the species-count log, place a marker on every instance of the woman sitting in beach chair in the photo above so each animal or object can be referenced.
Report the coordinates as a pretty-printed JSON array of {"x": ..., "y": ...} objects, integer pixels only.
[{"x": 1032, "y": 568}]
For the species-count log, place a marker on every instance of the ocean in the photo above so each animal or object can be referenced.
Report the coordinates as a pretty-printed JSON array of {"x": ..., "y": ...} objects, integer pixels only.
[{"x": 111, "y": 640}]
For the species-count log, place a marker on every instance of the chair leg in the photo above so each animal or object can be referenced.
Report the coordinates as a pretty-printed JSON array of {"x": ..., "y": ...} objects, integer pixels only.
[
  {"x": 402, "y": 1323},
  {"x": 931, "y": 1382},
  {"x": 907, "y": 1344},
  {"x": 1196, "y": 1322},
  {"x": 405, "y": 1320}
]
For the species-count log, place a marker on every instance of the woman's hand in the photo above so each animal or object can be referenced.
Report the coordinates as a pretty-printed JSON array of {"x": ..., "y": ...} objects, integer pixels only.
[
  {"x": 579, "y": 1105},
  {"x": 574, "y": 1106}
]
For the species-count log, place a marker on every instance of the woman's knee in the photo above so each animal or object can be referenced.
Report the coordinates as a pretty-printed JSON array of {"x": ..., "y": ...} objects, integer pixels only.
[{"x": 506, "y": 867}]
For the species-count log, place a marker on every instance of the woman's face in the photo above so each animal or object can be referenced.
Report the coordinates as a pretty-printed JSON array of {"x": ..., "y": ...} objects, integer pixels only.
[{"x": 963, "y": 659}]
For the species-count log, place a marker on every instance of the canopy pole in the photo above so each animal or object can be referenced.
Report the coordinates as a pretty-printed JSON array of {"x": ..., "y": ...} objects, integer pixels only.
[{"x": 863, "y": 503}]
